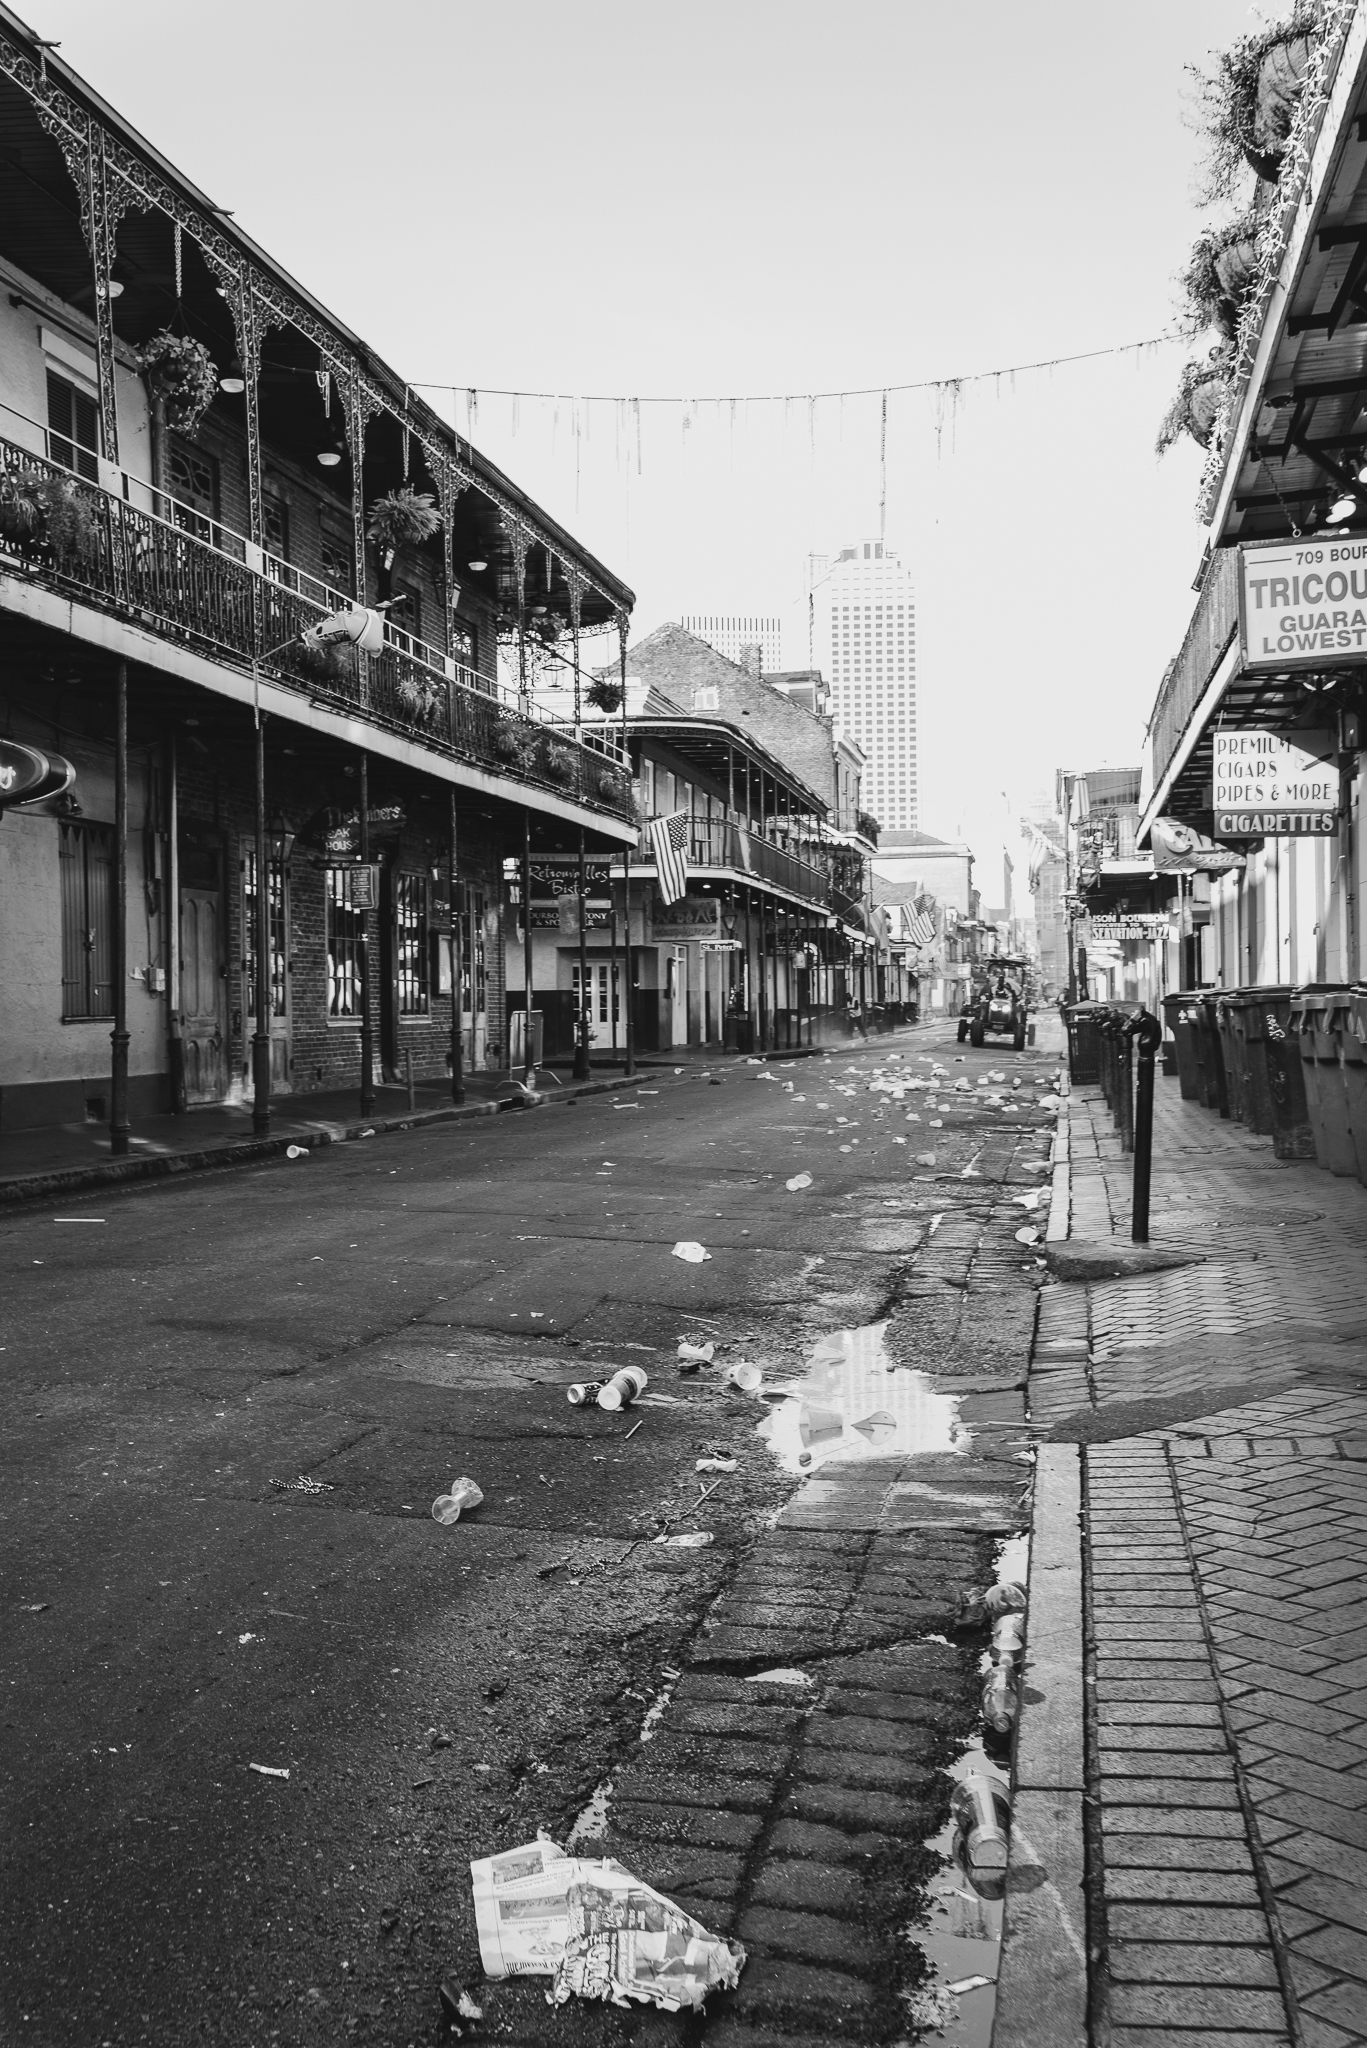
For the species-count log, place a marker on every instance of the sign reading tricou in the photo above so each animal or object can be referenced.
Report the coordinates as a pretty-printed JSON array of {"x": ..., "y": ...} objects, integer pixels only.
[
  {"x": 1273, "y": 784},
  {"x": 1303, "y": 603}
]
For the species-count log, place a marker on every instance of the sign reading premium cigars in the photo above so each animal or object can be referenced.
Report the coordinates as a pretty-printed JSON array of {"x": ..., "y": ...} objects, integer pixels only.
[
  {"x": 1303, "y": 604},
  {"x": 1273, "y": 784}
]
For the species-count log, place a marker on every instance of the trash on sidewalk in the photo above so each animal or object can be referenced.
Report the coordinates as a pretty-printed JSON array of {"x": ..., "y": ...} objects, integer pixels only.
[
  {"x": 296, "y": 1151},
  {"x": 1006, "y": 1598},
  {"x": 304, "y": 1485},
  {"x": 268, "y": 1770},
  {"x": 595, "y": 1930},
  {"x": 982, "y": 1808},
  {"x": 457, "y": 2005},
  {"x": 798, "y": 1181},
  {"x": 697, "y": 1354},
  {"x": 698, "y": 1539},
  {"x": 782, "y": 1675},
  {"x": 584, "y": 1392},
  {"x": 447, "y": 1507},
  {"x": 1000, "y": 1704},
  {"x": 1029, "y": 1234},
  {"x": 621, "y": 1390},
  {"x": 715, "y": 1465},
  {"x": 688, "y": 1250},
  {"x": 746, "y": 1377}
]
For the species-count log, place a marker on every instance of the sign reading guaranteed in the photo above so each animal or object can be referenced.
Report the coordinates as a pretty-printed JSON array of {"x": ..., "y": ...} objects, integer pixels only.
[{"x": 1303, "y": 603}]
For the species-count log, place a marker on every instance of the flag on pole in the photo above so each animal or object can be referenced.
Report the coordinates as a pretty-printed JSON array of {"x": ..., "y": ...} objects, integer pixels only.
[
  {"x": 920, "y": 926},
  {"x": 670, "y": 838}
]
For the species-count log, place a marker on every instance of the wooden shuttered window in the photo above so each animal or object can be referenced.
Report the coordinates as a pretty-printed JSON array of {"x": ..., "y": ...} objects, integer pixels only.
[{"x": 86, "y": 865}]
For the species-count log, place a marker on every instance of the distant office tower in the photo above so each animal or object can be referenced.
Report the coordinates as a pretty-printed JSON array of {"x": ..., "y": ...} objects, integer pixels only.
[
  {"x": 864, "y": 636},
  {"x": 732, "y": 637}
]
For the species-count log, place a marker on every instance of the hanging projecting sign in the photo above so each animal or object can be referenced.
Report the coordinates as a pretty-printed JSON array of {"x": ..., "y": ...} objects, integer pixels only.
[
  {"x": 692, "y": 917},
  {"x": 1127, "y": 925},
  {"x": 27, "y": 775},
  {"x": 1273, "y": 784},
  {"x": 1303, "y": 604}
]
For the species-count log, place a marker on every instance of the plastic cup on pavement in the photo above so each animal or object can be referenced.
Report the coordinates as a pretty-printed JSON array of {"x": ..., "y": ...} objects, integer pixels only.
[{"x": 621, "y": 1390}]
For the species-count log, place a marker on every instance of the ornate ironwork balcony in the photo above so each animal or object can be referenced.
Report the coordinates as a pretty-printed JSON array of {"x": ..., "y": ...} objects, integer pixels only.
[{"x": 164, "y": 574}]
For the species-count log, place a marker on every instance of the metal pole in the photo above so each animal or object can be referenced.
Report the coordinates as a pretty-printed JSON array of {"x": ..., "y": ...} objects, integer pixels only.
[
  {"x": 612, "y": 977},
  {"x": 261, "y": 1034},
  {"x": 581, "y": 1043},
  {"x": 528, "y": 1056},
  {"x": 367, "y": 1020},
  {"x": 628, "y": 976},
  {"x": 1148, "y": 1033},
  {"x": 118, "y": 968},
  {"x": 408, "y": 1076},
  {"x": 175, "y": 1023},
  {"x": 458, "y": 969}
]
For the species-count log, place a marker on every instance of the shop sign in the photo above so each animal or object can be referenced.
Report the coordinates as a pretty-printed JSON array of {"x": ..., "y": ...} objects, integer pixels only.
[
  {"x": 1130, "y": 925},
  {"x": 27, "y": 774},
  {"x": 692, "y": 917},
  {"x": 721, "y": 946},
  {"x": 1303, "y": 604},
  {"x": 365, "y": 885},
  {"x": 1275, "y": 824},
  {"x": 551, "y": 917},
  {"x": 1273, "y": 771}
]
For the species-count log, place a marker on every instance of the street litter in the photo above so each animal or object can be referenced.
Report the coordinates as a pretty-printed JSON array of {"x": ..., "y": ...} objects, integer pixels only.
[
  {"x": 268, "y": 1771},
  {"x": 799, "y": 1180},
  {"x": 595, "y": 1930},
  {"x": 982, "y": 1808},
  {"x": 746, "y": 1377},
  {"x": 36, "y": 1607},
  {"x": 622, "y": 1389},
  {"x": 701, "y": 1354},
  {"x": 969, "y": 1984},
  {"x": 296, "y": 1151},
  {"x": 781, "y": 1676},
  {"x": 78, "y": 1219},
  {"x": 584, "y": 1393},
  {"x": 248, "y": 1638},
  {"x": 457, "y": 2005},
  {"x": 715, "y": 1465},
  {"x": 925, "y": 1158},
  {"x": 692, "y": 1253},
  {"x": 697, "y": 1540},
  {"x": 304, "y": 1485},
  {"x": 367, "y": 1134},
  {"x": 1030, "y": 1200},
  {"x": 447, "y": 1507},
  {"x": 1029, "y": 1235}
]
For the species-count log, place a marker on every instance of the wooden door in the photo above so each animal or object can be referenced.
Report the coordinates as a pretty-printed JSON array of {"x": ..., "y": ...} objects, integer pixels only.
[{"x": 203, "y": 993}]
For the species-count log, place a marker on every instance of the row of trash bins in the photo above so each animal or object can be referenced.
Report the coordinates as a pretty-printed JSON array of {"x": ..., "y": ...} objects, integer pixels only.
[{"x": 1290, "y": 1063}]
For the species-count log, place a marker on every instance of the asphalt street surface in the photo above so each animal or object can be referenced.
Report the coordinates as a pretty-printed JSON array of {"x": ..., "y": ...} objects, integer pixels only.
[{"x": 383, "y": 1318}]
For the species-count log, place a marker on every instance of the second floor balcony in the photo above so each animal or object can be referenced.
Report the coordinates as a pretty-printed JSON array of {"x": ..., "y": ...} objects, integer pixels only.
[
  {"x": 720, "y": 843},
  {"x": 160, "y": 566}
]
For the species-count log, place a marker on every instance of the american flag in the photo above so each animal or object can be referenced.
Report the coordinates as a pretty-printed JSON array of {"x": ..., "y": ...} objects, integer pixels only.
[
  {"x": 670, "y": 837},
  {"x": 919, "y": 926}
]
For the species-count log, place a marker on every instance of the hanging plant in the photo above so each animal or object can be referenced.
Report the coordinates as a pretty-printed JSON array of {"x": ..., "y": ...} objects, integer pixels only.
[
  {"x": 402, "y": 519},
  {"x": 44, "y": 513},
  {"x": 604, "y": 694},
  {"x": 324, "y": 661},
  {"x": 613, "y": 787},
  {"x": 1223, "y": 266},
  {"x": 559, "y": 762},
  {"x": 1199, "y": 392},
  {"x": 1249, "y": 101},
  {"x": 419, "y": 695},
  {"x": 182, "y": 374}
]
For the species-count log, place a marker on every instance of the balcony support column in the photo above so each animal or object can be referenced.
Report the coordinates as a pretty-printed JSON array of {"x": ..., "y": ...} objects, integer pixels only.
[
  {"x": 261, "y": 1035},
  {"x": 528, "y": 1049},
  {"x": 367, "y": 1015},
  {"x": 118, "y": 951},
  {"x": 104, "y": 222},
  {"x": 629, "y": 992},
  {"x": 175, "y": 1022},
  {"x": 458, "y": 964},
  {"x": 581, "y": 1036}
]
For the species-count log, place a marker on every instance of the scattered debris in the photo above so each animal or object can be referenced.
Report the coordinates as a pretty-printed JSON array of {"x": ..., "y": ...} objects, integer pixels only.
[
  {"x": 746, "y": 1377},
  {"x": 697, "y": 1539},
  {"x": 447, "y": 1507},
  {"x": 798, "y": 1182},
  {"x": 693, "y": 1254},
  {"x": 584, "y": 1393},
  {"x": 36, "y": 1607},
  {"x": 715, "y": 1465},
  {"x": 622, "y": 1389},
  {"x": 248, "y": 1638},
  {"x": 595, "y": 1930},
  {"x": 982, "y": 1808},
  {"x": 296, "y": 1151},
  {"x": 632, "y": 1431},
  {"x": 268, "y": 1770},
  {"x": 697, "y": 1354},
  {"x": 782, "y": 1675},
  {"x": 457, "y": 2005},
  {"x": 304, "y": 1485}
]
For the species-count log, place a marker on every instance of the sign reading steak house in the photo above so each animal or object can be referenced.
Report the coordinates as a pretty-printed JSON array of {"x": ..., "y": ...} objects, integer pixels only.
[{"x": 1303, "y": 604}]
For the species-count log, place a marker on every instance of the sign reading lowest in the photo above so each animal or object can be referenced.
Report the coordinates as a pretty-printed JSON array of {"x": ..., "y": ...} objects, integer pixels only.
[{"x": 1303, "y": 604}]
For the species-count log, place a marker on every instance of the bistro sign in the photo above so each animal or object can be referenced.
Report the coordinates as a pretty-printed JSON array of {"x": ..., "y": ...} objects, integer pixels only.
[
  {"x": 27, "y": 775},
  {"x": 1303, "y": 604}
]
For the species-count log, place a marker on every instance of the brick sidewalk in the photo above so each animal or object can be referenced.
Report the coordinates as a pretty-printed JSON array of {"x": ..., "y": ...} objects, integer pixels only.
[{"x": 1221, "y": 1411}]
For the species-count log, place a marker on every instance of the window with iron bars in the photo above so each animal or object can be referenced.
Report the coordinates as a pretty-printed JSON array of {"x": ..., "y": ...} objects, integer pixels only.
[
  {"x": 410, "y": 944},
  {"x": 278, "y": 930},
  {"x": 344, "y": 945},
  {"x": 86, "y": 866}
]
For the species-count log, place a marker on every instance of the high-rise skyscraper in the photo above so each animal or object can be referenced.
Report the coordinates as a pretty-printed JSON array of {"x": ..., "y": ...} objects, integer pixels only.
[{"x": 864, "y": 637}]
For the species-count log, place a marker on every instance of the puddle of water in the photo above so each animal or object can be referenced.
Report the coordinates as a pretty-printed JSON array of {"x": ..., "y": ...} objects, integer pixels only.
[
  {"x": 963, "y": 1935},
  {"x": 854, "y": 1403}
]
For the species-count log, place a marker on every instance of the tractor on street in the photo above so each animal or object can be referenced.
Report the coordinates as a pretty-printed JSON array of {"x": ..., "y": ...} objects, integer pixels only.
[{"x": 1000, "y": 1005}]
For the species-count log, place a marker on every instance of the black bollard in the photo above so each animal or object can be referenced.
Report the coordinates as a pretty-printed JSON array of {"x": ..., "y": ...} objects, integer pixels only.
[{"x": 1148, "y": 1034}]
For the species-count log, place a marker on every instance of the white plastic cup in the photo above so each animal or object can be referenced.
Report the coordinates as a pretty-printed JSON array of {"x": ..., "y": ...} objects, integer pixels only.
[
  {"x": 746, "y": 1377},
  {"x": 446, "y": 1508},
  {"x": 621, "y": 1390},
  {"x": 1008, "y": 1598}
]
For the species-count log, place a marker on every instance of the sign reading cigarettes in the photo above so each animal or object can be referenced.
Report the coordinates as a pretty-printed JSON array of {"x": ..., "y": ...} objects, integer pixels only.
[{"x": 1303, "y": 604}]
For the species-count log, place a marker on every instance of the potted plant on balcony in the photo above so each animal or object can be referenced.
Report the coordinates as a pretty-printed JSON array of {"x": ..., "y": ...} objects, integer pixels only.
[
  {"x": 559, "y": 762},
  {"x": 514, "y": 742},
  {"x": 604, "y": 694},
  {"x": 612, "y": 786},
  {"x": 1200, "y": 392},
  {"x": 1249, "y": 101},
  {"x": 182, "y": 378},
  {"x": 420, "y": 695},
  {"x": 324, "y": 661},
  {"x": 41, "y": 513},
  {"x": 1221, "y": 271},
  {"x": 400, "y": 519},
  {"x": 21, "y": 511}
]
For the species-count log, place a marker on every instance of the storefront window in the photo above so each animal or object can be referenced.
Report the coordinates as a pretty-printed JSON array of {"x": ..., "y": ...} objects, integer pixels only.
[
  {"x": 410, "y": 944},
  {"x": 344, "y": 945}
]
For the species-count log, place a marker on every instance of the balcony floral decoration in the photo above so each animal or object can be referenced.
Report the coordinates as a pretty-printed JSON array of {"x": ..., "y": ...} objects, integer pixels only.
[
  {"x": 401, "y": 519},
  {"x": 324, "y": 661},
  {"x": 514, "y": 742},
  {"x": 612, "y": 787},
  {"x": 46, "y": 515},
  {"x": 559, "y": 762},
  {"x": 1221, "y": 273},
  {"x": 604, "y": 694},
  {"x": 421, "y": 696},
  {"x": 1200, "y": 394},
  {"x": 1247, "y": 105},
  {"x": 181, "y": 376}
]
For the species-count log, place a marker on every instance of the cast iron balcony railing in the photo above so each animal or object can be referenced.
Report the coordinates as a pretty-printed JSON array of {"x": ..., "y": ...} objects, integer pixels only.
[
  {"x": 166, "y": 574},
  {"x": 1213, "y": 625},
  {"x": 719, "y": 843}
]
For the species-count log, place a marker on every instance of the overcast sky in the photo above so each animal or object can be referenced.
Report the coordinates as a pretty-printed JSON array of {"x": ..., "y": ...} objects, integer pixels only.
[{"x": 761, "y": 196}]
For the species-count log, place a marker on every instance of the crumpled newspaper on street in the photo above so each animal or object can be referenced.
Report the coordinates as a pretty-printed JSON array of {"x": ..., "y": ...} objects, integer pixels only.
[{"x": 595, "y": 1930}]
